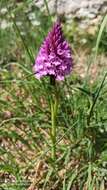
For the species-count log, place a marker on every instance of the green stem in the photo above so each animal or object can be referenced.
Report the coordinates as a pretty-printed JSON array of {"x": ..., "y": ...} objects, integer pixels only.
[
  {"x": 95, "y": 100},
  {"x": 47, "y": 8},
  {"x": 54, "y": 108}
]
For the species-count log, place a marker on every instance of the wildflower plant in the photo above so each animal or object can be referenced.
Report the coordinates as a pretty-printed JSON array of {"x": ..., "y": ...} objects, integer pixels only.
[
  {"x": 78, "y": 107},
  {"x": 55, "y": 61}
]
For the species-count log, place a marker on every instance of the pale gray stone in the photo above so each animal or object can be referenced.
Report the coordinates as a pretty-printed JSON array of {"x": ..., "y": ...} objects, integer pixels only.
[{"x": 81, "y": 9}]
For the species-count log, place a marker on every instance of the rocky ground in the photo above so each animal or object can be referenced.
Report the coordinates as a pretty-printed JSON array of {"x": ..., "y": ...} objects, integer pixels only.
[{"x": 87, "y": 12}]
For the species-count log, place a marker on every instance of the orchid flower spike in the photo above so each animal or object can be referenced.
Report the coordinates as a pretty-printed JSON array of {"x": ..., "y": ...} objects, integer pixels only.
[{"x": 54, "y": 57}]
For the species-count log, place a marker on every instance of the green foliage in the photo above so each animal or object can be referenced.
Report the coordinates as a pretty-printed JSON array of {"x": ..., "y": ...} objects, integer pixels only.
[
  {"x": 25, "y": 115},
  {"x": 102, "y": 36}
]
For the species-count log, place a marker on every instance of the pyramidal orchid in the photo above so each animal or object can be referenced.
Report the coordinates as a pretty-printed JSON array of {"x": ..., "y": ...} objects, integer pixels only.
[
  {"x": 54, "y": 60},
  {"x": 54, "y": 57}
]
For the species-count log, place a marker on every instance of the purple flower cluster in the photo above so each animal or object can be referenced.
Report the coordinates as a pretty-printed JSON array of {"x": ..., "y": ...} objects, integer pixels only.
[{"x": 54, "y": 57}]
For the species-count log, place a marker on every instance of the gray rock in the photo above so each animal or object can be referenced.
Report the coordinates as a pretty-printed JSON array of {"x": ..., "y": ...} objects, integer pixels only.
[{"x": 82, "y": 9}]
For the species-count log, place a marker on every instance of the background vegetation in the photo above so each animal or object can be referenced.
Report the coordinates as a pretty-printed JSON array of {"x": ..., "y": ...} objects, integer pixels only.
[{"x": 25, "y": 122}]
